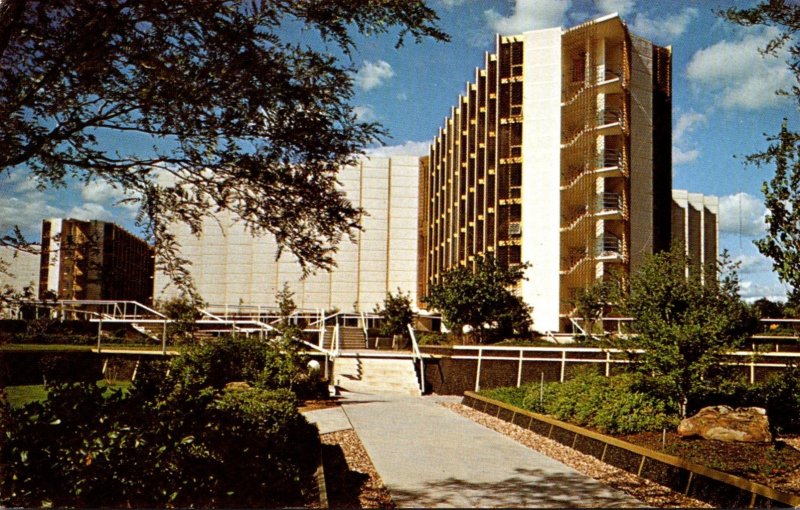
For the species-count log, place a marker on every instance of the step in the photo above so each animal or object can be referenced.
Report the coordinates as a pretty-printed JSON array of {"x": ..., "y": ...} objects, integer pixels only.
[
  {"x": 376, "y": 375},
  {"x": 357, "y": 386}
]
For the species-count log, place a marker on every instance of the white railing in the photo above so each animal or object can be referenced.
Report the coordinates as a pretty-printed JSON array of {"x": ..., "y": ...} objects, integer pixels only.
[
  {"x": 365, "y": 329},
  {"x": 336, "y": 347},
  {"x": 417, "y": 357},
  {"x": 607, "y": 357}
]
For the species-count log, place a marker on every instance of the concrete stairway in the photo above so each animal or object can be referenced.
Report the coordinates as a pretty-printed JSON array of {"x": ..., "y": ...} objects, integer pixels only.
[
  {"x": 349, "y": 338},
  {"x": 373, "y": 374}
]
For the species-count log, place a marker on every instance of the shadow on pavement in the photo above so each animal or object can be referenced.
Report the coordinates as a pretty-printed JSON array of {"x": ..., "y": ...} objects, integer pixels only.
[
  {"x": 531, "y": 488},
  {"x": 343, "y": 485}
]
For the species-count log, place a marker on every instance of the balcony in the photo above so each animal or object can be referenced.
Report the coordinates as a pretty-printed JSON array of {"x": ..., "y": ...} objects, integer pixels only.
[
  {"x": 608, "y": 202},
  {"x": 608, "y": 81},
  {"x": 609, "y": 116},
  {"x": 608, "y": 247},
  {"x": 608, "y": 122}
]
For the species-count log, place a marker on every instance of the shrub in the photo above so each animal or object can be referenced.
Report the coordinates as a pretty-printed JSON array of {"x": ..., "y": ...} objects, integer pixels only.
[
  {"x": 579, "y": 397},
  {"x": 615, "y": 405},
  {"x": 175, "y": 439},
  {"x": 781, "y": 398},
  {"x": 509, "y": 395},
  {"x": 435, "y": 338},
  {"x": 625, "y": 411}
]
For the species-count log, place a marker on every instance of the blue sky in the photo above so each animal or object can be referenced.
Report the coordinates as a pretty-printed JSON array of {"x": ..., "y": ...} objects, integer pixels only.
[{"x": 723, "y": 102}]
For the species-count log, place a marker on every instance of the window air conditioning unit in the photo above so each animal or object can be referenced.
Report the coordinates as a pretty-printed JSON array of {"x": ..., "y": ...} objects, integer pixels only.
[{"x": 514, "y": 228}]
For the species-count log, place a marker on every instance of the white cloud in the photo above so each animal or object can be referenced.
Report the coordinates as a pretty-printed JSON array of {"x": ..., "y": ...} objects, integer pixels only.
[
  {"x": 687, "y": 123},
  {"x": 528, "y": 15},
  {"x": 410, "y": 148},
  {"x": 682, "y": 147},
  {"x": 743, "y": 214},
  {"x": 18, "y": 181},
  {"x": 449, "y": 4},
  {"x": 623, "y": 7},
  {"x": 751, "y": 264},
  {"x": 27, "y": 213},
  {"x": 667, "y": 28},
  {"x": 739, "y": 75},
  {"x": 680, "y": 156},
  {"x": 90, "y": 211},
  {"x": 101, "y": 192},
  {"x": 364, "y": 113},
  {"x": 373, "y": 74},
  {"x": 752, "y": 291},
  {"x": 402, "y": 96}
]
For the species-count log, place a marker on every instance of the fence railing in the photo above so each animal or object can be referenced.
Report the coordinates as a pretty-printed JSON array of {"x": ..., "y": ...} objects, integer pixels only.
[
  {"x": 562, "y": 357},
  {"x": 417, "y": 357}
]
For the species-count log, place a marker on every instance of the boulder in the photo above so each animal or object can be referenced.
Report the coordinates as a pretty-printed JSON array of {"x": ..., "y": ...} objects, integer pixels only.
[
  {"x": 743, "y": 424},
  {"x": 237, "y": 386}
]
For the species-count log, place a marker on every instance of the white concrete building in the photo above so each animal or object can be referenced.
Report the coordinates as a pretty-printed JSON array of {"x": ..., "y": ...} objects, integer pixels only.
[
  {"x": 695, "y": 227},
  {"x": 231, "y": 267}
]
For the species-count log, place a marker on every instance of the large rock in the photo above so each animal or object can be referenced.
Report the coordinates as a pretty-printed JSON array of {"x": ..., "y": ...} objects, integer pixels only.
[
  {"x": 238, "y": 386},
  {"x": 744, "y": 424}
]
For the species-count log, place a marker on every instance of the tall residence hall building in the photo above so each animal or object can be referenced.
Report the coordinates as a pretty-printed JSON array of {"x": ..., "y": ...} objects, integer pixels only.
[{"x": 559, "y": 155}]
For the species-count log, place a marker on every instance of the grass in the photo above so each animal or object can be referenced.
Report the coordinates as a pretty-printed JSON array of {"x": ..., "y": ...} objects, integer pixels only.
[
  {"x": 18, "y": 396},
  {"x": 44, "y": 347}
]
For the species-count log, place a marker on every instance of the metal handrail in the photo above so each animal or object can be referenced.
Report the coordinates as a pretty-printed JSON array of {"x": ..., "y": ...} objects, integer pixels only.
[
  {"x": 335, "y": 341},
  {"x": 417, "y": 356},
  {"x": 364, "y": 327},
  {"x": 609, "y": 201}
]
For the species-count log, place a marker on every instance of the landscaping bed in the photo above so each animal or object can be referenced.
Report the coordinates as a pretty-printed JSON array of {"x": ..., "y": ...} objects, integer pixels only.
[
  {"x": 775, "y": 465},
  {"x": 680, "y": 473}
]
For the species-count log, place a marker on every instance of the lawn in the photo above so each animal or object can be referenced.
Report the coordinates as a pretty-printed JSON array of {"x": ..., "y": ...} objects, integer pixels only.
[
  {"x": 18, "y": 396},
  {"x": 44, "y": 347}
]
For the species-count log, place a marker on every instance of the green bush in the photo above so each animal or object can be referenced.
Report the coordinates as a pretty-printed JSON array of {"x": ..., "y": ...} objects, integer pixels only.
[
  {"x": 615, "y": 405},
  {"x": 579, "y": 397},
  {"x": 781, "y": 399},
  {"x": 626, "y": 411},
  {"x": 174, "y": 439},
  {"x": 435, "y": 338},
  {"x": 509, "y": 395}
]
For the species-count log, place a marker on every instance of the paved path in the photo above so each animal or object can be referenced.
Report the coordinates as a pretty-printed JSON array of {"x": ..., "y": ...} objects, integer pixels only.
[{"x": 429, "y": 456}]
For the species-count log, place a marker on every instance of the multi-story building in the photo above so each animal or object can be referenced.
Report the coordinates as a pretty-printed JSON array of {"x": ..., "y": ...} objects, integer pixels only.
[
  {"x": 94, "y": 260},
  {"x": 695, "y": 228},
  {"x": 558, "y": 155},
  {"x": 230, "y": 266}
]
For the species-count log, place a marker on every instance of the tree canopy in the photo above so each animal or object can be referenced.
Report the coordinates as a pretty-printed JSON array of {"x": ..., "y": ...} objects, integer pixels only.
[
  {"x": 782, "y": 192},
  {"x": 396, "y": 313},
  {"x": 210, "y": 92},
  {"x": 683, "y": 325},
  {"x": 482, "y": 299}
]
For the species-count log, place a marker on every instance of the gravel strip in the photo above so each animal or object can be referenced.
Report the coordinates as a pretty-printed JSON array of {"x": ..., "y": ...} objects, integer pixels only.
[
  {"x": 651, "y": 493},
  {"x": 358, "y": 476}
]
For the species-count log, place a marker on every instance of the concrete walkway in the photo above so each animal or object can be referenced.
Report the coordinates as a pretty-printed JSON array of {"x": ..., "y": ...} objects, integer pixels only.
[{"x": 429, "y": 456}]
